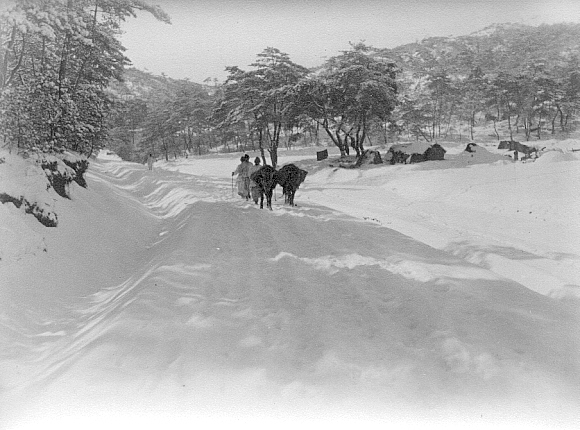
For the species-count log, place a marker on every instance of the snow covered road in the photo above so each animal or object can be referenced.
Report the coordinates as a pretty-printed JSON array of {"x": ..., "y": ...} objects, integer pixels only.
[{"x": 183, "y": 302}]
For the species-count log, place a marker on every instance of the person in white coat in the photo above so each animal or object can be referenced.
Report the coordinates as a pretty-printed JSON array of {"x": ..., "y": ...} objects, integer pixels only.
[
  {"x": 150, "y": 161},
  {"x": 254, "y": 187},
  {"x": 243, "y": 177}
]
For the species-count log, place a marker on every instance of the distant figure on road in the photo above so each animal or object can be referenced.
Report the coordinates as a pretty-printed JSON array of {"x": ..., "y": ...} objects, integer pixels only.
[
  {"x": 254, "y": 187},
  {"x": 243, "y": 177},
  {"x": 150, "y": 161}
]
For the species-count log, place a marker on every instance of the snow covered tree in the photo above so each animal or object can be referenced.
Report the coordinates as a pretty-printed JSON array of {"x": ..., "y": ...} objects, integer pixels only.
[
  {"x": 262, "y": 97},
  {"x": 567, "y": 96},
  {"x": 191, "y": 110},
  {"x": 57, "y": 58},
  {"x": 126, "y": 122},
  {"x": 471, "y": 93},
  {"x": 353, "y": 90}
]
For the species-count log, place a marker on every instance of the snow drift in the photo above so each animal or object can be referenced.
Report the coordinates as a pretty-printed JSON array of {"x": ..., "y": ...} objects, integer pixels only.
[{"x": 437, "y": 294}]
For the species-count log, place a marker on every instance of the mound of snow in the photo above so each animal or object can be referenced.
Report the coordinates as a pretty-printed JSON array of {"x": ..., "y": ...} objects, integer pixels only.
[
  {"x": 17, "y": 237},
  {"x": 105, "y": 154},
  {"x": 557, "y": 157},
  {"x": 480, "y": 155},
  {"x": 26, "y": 179},
  {"x": 565, "y": 145},
  {"x": 411, "y": 148}
]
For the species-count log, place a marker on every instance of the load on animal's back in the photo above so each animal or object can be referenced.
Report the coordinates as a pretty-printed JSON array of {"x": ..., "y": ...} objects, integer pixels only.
[
  {"x": 290, "y": 177},
  {"x": 266, "y": 181}
]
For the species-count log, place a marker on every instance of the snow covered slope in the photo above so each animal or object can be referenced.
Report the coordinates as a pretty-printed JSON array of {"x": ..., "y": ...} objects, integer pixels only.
[{"x": 438, "y": 294}]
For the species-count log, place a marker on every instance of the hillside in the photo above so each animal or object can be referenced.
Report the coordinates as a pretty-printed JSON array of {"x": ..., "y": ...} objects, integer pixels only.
[
  {"x": 494, "y": 48},
  {"x": 144, "y": 85}
]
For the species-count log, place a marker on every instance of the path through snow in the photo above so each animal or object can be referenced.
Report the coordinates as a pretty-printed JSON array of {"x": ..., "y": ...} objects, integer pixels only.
[{"x": 161, "y": 295}]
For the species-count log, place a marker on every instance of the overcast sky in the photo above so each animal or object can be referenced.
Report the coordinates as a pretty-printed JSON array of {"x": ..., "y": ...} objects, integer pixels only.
[{"x": 207, "y": 35}]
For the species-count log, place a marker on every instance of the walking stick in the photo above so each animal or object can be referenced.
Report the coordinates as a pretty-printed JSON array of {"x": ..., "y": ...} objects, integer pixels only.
[{"x": 232, "y": 185}]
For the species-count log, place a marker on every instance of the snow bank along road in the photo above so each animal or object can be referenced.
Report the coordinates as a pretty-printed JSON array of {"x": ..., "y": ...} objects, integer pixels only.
[{"x": 161, "y": 295}]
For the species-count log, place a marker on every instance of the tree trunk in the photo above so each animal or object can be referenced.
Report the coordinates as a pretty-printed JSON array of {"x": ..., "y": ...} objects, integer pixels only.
[
  {"x": 89, "y": 50},
  {"x": 64, "y": 54},
  {"x": 261, "y": 146},
  {"x": 472, "y": 124},
  {"x": 165, "y": 149},
  {"x": 385, "y": 134},
  {"x": 335, "y": 139},
  {"x": 6, "y": 59},
  {"x": 317, "y": 130},
  {"x": 184, "y": 142},
  {"x": 360, "y": 136},
  {"x": 252, "y": 141},
  {"x": 561, "y": 118}
]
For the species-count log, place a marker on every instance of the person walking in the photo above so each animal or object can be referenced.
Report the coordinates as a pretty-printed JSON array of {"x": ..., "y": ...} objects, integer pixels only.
[
  {"x": 150, "y": 161},
  {"x": 254, "y": 187},
  {"x": 243, "y": 177}
]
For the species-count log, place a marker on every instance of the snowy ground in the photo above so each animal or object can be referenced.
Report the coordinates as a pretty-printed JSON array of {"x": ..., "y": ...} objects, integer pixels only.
[{"x": 439, "y": 294}]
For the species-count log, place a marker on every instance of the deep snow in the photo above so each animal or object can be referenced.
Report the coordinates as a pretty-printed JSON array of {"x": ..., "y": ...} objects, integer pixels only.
[{"x": 436, "y": 294}]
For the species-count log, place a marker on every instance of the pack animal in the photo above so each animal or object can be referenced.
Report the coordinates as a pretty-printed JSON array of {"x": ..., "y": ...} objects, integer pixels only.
[
  {"x": 290, "y": 177},
  {"x": 266, "y": 180}
]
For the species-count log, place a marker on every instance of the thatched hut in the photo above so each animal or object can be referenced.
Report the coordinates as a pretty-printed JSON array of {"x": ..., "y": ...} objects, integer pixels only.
[
  {"x": 435, "y": 152},
  {"x": 415, "y": 152}
]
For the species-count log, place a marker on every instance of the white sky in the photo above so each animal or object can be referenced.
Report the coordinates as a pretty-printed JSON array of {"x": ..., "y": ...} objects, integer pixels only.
[{"x": 208, "y": 35}]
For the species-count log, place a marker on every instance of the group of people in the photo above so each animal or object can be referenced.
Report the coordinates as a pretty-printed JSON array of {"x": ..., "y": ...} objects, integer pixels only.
[{"x": 246, "y": 187}]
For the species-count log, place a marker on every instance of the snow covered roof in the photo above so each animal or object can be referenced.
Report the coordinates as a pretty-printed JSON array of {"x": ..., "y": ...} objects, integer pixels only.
[{"x": 411, "y": 148}]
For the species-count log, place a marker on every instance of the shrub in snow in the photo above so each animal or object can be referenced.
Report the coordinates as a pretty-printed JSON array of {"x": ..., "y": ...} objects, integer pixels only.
[
  {"x": 369, "y": 157},
  {"x": 62, "y": 169},
  {"x": 80, "y": 166},
  {"x": 25, "y": 180},
  {"x": 46, "y": 218},
  {"x": 59, "y": 174}
]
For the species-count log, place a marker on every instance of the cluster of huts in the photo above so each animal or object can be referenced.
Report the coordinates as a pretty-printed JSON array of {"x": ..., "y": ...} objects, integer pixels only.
[
  {"x": 403, "y": 153},
  {"x": 416, "y": 152}
]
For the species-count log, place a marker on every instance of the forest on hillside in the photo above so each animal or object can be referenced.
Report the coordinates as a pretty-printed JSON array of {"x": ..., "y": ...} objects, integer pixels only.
[{"x": 65, "y": 84}]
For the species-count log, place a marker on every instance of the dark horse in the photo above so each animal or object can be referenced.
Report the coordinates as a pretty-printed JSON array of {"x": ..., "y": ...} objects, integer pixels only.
[
  {"x": 266, "y": 180},
  {"x": 290, "y": 177}
]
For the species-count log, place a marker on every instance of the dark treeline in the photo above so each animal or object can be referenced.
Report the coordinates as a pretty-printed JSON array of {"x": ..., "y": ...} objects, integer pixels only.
[
  {"x": 65, "y": 84},
  {"x": 527, "y": 77}
]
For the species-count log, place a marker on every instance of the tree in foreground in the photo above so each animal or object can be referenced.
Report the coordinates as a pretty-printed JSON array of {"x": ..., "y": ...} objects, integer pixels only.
[{"x": 57, "y": 58}]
